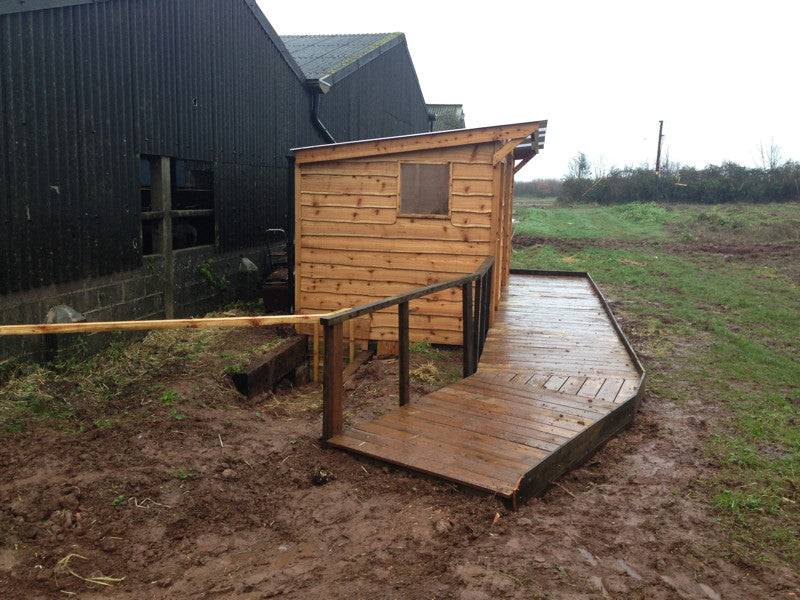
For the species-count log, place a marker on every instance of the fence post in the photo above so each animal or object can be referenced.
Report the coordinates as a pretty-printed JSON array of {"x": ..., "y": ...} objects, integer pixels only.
[
  {"x": 332, "y": 384},
  {"x": 402, "y": 321},
  {"x": 467, "y": 323}
]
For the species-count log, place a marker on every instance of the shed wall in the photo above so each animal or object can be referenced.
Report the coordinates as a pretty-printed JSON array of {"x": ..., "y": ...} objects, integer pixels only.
[{"x": 353, "y": 247}]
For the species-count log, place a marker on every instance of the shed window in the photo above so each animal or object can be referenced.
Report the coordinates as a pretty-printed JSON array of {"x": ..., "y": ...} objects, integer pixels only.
[{"x": 424, "y": 189}]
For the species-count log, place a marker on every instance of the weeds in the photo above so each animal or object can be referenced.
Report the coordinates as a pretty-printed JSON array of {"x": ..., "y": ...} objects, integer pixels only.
[
  {"x": 177, "y": 415},
  {"x": 170, "y": 397},
  {"x": 73, "y": 391},
  {"x": 209, "y": 275}
]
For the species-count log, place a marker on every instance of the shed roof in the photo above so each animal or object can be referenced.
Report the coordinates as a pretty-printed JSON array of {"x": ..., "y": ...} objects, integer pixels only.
[
  {"x": 448, "y": 116},
  {"x": 336, "y": 56},
  {"x": 509, "y": 135}
]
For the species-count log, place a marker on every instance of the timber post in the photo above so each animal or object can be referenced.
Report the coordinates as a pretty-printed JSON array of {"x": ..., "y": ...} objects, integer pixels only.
[
  {"x": 467, "y": 349},
  {"x": 477, "y": 306},
  {"x": 332, "y": 383},
  {"x": 402, "y": 331}
]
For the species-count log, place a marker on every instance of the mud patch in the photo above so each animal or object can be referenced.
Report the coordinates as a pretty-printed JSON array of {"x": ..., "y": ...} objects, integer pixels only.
[{"x": 223, "y": 503}]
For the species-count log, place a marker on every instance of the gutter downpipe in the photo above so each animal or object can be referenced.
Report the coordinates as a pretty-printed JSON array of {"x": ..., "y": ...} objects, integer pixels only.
[{"x": 317, "y": 88}]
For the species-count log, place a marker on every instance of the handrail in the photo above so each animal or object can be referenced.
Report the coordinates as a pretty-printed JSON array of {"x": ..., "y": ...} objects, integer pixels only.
[
  {"x": 351, "y": 313},
  {"x": 203, "y": 323},
  {"x": 476, "y": 307}
]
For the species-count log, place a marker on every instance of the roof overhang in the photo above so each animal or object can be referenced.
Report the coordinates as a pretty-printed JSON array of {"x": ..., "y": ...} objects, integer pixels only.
[{"x": 509, "y": 137}]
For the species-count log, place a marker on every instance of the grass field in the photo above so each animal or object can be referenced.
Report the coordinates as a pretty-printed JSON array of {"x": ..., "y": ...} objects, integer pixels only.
[
  {"x": 774, "y": 223},
  {"x": 711, "y": 297}
]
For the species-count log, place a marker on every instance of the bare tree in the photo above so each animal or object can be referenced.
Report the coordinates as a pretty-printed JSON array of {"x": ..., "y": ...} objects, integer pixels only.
[
  {"x": 771, "y": 155},
  {"x": 599, "y": 169},
  {"x": 579, "y": 167}
]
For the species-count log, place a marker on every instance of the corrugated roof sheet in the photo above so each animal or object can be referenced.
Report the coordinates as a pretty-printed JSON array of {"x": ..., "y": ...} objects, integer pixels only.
[
  {"x": 337, "y": 55},
  {"x": 448, "y": 116}
]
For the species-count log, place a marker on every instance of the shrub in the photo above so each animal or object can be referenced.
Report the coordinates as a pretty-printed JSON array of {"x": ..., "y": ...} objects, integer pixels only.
[{"x": 714, "y": 184}]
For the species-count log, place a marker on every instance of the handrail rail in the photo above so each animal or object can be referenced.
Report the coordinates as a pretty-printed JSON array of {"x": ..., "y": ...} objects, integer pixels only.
[
  {"x": 329, "y": 318},
  {"x": 476, "y": 309},
  {"x": 202, "y": 323},
  {"x": 357, "y": 311},
  {"x": 475, "y": 324}
]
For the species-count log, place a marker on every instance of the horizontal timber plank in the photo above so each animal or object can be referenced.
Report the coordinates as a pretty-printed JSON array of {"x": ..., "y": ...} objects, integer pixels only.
[
  {"x": 350, "y": 200},
  {"x": 471, "y": 186},
  {"x": 395, "y": 275},
  {"x": 384, "y": 216},
  {"x": 469, "y": 219},
  {"x": 323, "y": 241},
  {"x": 386, "y": 168},
  {"x": 422, "y": 456},
  {"x": 471, "y": 204},
  {"x": 422, "y": 262},
  {"x": 472, "y": 170},
  {"x": 349, "y": 184},
  {"x": 443, "y": 414},
  {"x": 405, "y": 228},
  {"x": 499, "y": 452},
  {"x": 552, "y": 434}
]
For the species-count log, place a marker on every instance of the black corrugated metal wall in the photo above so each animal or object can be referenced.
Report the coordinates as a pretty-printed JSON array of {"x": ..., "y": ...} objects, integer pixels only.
[
  {"x": 86, "y": 89},
  {"x": 382, "y": 98}
]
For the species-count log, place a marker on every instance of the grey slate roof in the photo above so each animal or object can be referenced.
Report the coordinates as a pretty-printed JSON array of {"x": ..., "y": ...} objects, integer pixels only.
[
  {"x": 448, "y": 116},
  {"x": 336, "y": 56}
]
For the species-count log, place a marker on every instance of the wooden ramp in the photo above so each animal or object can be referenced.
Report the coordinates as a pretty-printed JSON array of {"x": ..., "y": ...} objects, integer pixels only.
[{"x": 556, "y": 379}]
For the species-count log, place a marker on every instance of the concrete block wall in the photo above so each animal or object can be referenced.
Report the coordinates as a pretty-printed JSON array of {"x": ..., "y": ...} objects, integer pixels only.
[{"x": 204, "y": 279}]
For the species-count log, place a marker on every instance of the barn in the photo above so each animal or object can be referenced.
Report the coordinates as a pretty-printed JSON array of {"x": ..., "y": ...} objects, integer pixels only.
[
  {"x": 446, "y": 116},
  {"x": 144, "y": 147},
  {"x": 377, "y": 218},
  {"x": 364, "y": 85}
]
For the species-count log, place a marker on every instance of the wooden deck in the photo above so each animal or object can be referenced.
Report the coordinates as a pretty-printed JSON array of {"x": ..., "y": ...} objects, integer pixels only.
[{"x": 556, "y": 379}]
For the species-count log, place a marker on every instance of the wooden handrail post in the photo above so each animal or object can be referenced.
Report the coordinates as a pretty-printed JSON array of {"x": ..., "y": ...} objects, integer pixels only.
[
  {"x": 477, "y": 307},
  {"x": 351, "y": 324},
  {"x": 487, "y": 308},
  {"x": 402, "y": 330},
  {"x": 332, "y": 383},
  {"x": 315, "y": 355},
  {"x": 466, "y": 326}
]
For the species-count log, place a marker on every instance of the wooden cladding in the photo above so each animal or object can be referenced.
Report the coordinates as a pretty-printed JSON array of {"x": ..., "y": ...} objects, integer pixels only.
[{"x": 377, "y": 226}]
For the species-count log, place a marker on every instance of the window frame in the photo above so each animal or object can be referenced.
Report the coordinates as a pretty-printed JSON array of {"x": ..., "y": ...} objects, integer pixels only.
[
  {"x": 163, "y": 217},
  {"x": 400, "y": 212}
]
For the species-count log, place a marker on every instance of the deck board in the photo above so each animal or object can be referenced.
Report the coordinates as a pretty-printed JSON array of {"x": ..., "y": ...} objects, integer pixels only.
[{"x": 555, "y": 380}]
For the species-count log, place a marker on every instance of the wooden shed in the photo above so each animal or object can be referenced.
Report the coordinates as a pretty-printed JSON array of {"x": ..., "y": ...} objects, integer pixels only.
[{"x": 379, "y": 217}]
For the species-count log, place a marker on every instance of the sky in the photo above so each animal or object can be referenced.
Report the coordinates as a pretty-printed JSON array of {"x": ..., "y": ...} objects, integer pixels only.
[{"x": 722, "y": 75}]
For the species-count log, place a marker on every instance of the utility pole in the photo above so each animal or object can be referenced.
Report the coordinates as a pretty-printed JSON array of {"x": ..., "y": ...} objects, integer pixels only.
[{"x": 658, "y": 153}]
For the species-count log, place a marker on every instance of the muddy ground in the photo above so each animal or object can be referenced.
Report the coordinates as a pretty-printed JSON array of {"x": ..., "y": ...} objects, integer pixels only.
[{"x": 223, "y": 503}]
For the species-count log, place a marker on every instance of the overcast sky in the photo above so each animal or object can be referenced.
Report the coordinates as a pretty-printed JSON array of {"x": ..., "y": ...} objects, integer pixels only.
[{"x": 722, "y": 75}]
